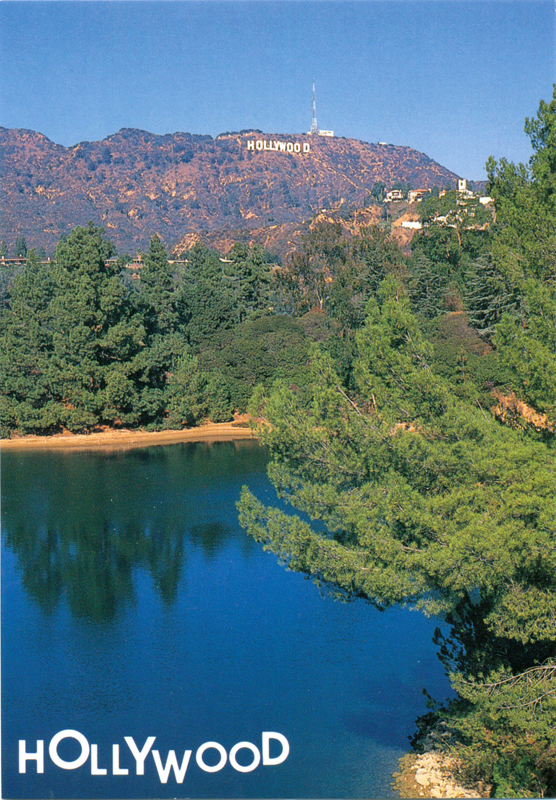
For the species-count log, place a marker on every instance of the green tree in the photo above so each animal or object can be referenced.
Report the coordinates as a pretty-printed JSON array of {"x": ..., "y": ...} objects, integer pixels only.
[
  {"x": 524, "y": 251},
  {"x": 425, "y": 501},
  {"x": 310, "y": 268},
  {"x": 336, "y": 272},
  {"x": 158, "y": 303},
  {"x": 426, "y": 287},
  {"x": 94, "y": 336},
  {"x": 488, "y": 296},
  {"x": 187, "y": 399},
  {"x": 456, "y": 229},
  {"x": 248, "y": 274},
  {"x": 206, "y": 296},
  {"x": 525, "y": 240},
  {"x": 26, "y": 343},
  {"x": 157, "y": 297},
  {"x": 257, "y": 351},
  {"x": 542, "y": 133},
  {"x": 20, "y": 248},
  {"x": 378, "y": 191},
  {"x": 194, "y": 395},
  {"x": 440, "y": 245}
]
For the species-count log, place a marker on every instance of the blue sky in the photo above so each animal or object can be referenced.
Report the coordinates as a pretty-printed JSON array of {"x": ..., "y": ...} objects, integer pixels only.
[{"x": 452, "y": 79}]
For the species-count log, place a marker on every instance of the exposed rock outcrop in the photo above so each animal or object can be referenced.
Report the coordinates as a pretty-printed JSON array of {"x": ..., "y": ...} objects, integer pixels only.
[
  {"x": 432, "y": 775},
  {"x": 432, "y": 771}
]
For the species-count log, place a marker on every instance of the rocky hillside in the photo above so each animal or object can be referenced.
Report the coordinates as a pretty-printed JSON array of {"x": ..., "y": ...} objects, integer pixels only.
[
  {"x": 285, "y": 238},
  {"x": 136, "y": 184}
]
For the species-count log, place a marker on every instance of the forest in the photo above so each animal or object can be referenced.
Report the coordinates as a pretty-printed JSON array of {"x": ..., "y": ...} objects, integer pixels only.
[
  {"x": 422, "y": 445},
  {"x": 408, "y": 401}
]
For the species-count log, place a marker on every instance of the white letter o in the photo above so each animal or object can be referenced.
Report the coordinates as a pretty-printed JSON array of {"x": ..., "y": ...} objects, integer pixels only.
[
  {"x": 68, "y": 734},
  {"x": 248, "y": 746},
  {"x": 200, "y": 752}
]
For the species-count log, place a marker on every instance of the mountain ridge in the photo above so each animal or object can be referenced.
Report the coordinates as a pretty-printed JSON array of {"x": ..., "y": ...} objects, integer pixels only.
[{"x": 134, "y": 183}]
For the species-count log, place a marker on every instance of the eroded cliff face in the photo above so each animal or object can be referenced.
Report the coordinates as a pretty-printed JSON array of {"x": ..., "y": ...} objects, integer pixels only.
[{"x": 136, "y": 184}]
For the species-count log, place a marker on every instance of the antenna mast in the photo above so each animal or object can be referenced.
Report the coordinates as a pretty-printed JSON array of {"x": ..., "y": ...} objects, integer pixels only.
[{"x": 314, "y": 128}]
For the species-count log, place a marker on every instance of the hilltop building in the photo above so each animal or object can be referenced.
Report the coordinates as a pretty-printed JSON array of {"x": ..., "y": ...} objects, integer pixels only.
[
  {"x": 417, "y": 195},
  {"x": 393, "y": 196},
  {"x": 464, "y": 193}
]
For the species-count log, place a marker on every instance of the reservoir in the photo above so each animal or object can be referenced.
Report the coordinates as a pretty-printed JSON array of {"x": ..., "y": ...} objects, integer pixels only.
[{"x": 134, "y": 606}]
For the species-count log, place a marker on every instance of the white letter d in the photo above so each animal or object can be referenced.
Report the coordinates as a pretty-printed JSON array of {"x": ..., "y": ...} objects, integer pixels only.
[{"x": 267, "y": 760}]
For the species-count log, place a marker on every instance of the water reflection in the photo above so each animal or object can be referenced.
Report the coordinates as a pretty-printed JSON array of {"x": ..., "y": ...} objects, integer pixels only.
[
  {"x": 82, "y": 525},
  {"x": 143, "y": 609}
]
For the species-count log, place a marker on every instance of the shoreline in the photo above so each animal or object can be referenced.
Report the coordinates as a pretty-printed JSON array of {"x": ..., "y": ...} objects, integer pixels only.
[
  {"x": 124, "y": 439},
  {"x": 428, "y": 774},
  {"x": 432, "y": 774},
  {"x": 431, "y": 770}
]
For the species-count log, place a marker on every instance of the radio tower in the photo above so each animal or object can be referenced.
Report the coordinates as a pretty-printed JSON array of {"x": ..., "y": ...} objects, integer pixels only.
[{"x": 314, "y": 128}]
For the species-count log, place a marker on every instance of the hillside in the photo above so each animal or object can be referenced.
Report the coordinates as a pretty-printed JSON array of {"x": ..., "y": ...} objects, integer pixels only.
[{"x": 136, "y": 183}]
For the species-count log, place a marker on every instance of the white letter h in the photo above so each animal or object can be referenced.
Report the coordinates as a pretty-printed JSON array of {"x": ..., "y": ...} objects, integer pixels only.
[{"x": 24, "y": 756}]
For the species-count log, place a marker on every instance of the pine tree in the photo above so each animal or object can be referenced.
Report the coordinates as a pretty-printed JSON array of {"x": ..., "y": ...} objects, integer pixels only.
[
  {"x": 424, "y": 500},
  {"x": 207, "y": 298},
  {"x": 488, "y": 296},
  {"x": 156, "y": 296},
  {"x": 26, "y": 345},
  {"x": 94, "y": 335},
  {"x": 523, "y": 252},
  {"x": 20, "y": 248},
  {"x": 426, "y": 288}
]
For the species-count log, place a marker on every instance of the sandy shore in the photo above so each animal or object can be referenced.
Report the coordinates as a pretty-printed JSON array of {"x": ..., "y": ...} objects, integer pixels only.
[{"x": 125, "y": 439}]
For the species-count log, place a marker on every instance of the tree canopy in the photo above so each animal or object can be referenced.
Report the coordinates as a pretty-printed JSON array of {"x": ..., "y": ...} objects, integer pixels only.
[
  {"x": 412, "y": 492},
  {"x": 83, "y": 346}
]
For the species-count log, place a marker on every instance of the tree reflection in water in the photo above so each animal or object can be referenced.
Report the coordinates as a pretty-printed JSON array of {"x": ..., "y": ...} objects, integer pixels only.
[{"x": 83, "y": 524}]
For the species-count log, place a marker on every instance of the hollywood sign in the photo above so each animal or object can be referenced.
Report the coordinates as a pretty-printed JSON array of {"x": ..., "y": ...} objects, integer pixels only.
[{"x": 278, "y": 147}]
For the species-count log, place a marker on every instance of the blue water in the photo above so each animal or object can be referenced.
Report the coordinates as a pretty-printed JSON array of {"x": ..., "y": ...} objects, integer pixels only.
[{"x": 135, "y": 606}]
